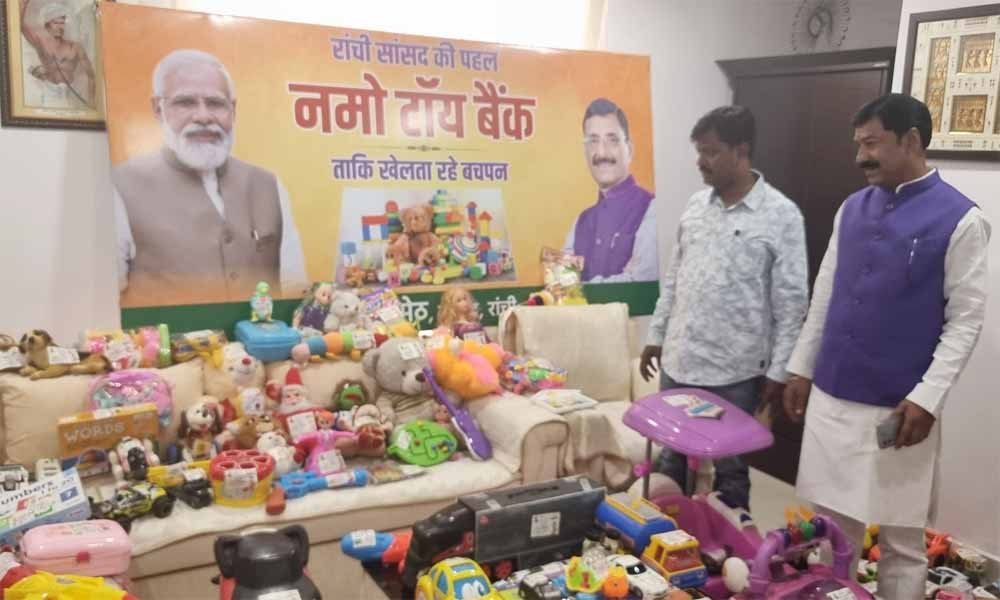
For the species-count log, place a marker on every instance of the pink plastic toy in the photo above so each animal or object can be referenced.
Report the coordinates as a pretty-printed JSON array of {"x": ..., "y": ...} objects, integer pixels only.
[
  {"x": 97, "y": 548},
  {"x": 323, "y": 455},
  {"x": 817, "y": 582}
]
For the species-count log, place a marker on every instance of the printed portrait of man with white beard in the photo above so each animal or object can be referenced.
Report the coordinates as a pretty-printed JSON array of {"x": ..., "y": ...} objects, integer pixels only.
[{"x": 194, "y": 223}]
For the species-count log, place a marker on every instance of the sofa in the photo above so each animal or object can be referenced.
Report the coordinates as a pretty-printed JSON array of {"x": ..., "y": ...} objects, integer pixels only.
[
  {"x": 597, "y": 345},
  {"x": 528, "y": 443}
]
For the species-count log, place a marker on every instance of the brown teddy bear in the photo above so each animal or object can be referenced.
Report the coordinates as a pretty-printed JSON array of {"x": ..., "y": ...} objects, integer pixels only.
[{"x": 423, "y": 244}]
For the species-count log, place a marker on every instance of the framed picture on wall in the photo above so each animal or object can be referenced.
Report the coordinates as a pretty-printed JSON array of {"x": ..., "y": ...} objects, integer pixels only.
[
  {"x": 953, "y": 67},
  {"x": 50, "y": 74}
]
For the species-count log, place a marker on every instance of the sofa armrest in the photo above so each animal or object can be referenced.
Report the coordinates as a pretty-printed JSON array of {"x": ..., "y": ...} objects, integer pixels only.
[{"x": 525, "y": 437}]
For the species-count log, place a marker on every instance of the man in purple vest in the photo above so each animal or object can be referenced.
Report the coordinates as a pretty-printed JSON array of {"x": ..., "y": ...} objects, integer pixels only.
[
  {"x": 617, "y": 235},
  {"x": 735, "y": 292},
  {"x": 896, "y": 311}
]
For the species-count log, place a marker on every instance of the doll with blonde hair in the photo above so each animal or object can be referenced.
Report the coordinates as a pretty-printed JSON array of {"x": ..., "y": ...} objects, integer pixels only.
[{"x": 457, "y": 312}]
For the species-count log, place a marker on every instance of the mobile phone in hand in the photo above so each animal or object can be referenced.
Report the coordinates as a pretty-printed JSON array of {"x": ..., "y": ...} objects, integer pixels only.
[{"x": 887, "y": 430}]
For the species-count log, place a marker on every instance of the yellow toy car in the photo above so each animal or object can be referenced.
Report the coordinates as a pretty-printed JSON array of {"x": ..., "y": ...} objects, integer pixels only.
[{"x": 455, "y": 579}]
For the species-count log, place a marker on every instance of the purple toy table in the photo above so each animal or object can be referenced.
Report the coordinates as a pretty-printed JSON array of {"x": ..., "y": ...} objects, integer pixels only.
[{"x": 734, "y": 433}]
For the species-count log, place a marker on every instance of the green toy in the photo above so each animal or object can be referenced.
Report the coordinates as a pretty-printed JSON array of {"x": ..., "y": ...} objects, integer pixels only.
[
  {"x": 422, "y": 443},
  {"x": 261, "y": 304}
]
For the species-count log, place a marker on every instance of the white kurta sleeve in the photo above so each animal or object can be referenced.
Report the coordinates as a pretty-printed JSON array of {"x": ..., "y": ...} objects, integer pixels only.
[
  {"x": 293, "y": 265},
  {"x": 571, "y": 236},
  {"x": 803, "y": 359},
  {"x": 124, "y": 242},
  {"x": 966, "y": 278}
]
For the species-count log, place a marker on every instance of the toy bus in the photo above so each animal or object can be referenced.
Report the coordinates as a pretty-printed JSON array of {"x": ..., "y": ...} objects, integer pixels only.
[{"x": 508, "y": 529}]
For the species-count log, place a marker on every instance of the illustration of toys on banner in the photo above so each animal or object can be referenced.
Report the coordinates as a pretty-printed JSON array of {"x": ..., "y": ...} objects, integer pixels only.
[{"x": 429, "y": 239}]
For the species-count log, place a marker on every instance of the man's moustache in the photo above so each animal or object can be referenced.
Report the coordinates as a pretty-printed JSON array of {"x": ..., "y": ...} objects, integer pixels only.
[
  {"x": 868, "y": 164},
  {"x": 599, "y": 161}
]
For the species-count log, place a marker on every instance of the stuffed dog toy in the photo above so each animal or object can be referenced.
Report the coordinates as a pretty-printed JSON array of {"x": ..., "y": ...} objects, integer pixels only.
[
  {"x": 35, "y": 347},
  {"x": 200, "y": 423}
]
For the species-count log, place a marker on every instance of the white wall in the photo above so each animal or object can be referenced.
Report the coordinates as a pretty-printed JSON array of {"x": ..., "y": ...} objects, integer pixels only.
[
  {"x": 970, "y": 483},
  {"x": 684, "y": 39}
]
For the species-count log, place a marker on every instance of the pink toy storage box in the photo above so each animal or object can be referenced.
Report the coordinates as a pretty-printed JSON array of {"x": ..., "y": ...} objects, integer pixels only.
[{"x": 97, "y": 548}]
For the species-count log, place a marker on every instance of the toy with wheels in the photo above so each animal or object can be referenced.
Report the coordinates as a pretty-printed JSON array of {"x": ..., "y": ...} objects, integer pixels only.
[
  {"x": 263, "y": 565},
  {"x": 664, "y": 419},
  {"x": 771, "y": 580}
]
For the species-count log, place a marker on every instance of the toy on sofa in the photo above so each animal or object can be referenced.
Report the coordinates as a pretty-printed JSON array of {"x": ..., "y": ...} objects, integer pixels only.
[
  {"x": 422, "y": 443},
  {"x": 466, "y": 368},
  {"x": 200, "y": 423},
  {"x": 334, "y": 344},
  {"x": 131, "y": 458},
  {"x": 57, "y": 499},
  {"x": 261, "y": 304},
  {"x": 300, "y": 483},
  {"x": 311, "y": 313},
  {"x": 206, "y": 344},
  {"x": 46, "y": 360},
  {"x": 95, "y": 548},
  {"x": 241, "y": 478},
  {"x": 115, "y": 345},
  {"x": 371, "y": 428},
  {"x": 130, "y": 388},
  {"x": 457, "y": 313},
  {"x": 816, "y": 581},
  {"x": 350, "y": 393},
  {"x": 324, "y": 450},
  {"x": 383, "y": 314},
  {"x": 295, "y": 411},
  {"x": 287, "y": 457},
  {"x": 397, "y": 366},
  {"x": 462, "y": 422},
  {"x": 268, "y": 341},
  {"x": 265, "y": 564},
  {"x": 133, "y": 501},
  {"x": 527, "y": 375},
  {"x": 344, "y": 313}
]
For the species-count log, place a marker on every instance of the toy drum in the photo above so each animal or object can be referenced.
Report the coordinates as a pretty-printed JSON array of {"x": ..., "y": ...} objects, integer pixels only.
[{"x": 241, "y": 477}]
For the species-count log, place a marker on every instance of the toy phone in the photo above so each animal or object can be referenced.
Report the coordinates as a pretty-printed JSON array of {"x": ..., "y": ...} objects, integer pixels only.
[{"x": 887, "y": 430}]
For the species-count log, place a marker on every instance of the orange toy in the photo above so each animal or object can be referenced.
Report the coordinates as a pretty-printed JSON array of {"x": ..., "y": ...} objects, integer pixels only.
[{"x": 467, "y": 368}]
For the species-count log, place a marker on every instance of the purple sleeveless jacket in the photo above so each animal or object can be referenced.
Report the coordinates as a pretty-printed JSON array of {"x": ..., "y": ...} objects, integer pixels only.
[{"x": 605, "y": 232}]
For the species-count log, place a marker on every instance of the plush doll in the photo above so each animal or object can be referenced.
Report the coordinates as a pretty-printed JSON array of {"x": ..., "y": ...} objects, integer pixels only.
[
  {"x": 251, "y": 428},
  {"x": 287, "y": 458},
  {"x": 314, "y": 308},
  {"x": 344, "y": 313},
  {"x": 350, "y": 393},
  {"x": 200, "y": 423},
  {"x": 404, "y": 393},
  {"x": 236, "y": 384},
  {"x": 324, "y": 450},
  {"x": 296, "y": 413},
  {"x": 418, "y": 221},
  {"x": 371, "y": 427},
  {"x": 38, "y": 349},
  {"x": 457, "y": 315},
  {"x": 467, "y": 368}
]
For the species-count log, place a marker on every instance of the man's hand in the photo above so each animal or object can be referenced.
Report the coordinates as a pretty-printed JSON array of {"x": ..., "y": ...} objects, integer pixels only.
[
  {"x": 649, "y": 354},
  {"x": 916, "y": 424},
  {"x": 796, "y": 396},
  {"x": 772, "y": 392}
]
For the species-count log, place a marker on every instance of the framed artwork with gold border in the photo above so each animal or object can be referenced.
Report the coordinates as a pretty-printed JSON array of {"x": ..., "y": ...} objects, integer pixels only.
[
  {"x": 952, "y": 65},
  {"x": 50, "y": 65}
]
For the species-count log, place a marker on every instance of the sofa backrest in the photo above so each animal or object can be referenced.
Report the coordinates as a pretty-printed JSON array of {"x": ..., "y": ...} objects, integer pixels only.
[{"x": 592, "y": 342}]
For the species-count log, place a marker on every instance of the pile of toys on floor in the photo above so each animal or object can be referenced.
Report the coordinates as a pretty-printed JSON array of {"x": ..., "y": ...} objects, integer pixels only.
[
  {"x": 956, "y": 572},
  {"x": 249, "y": 442},
  {"x": 570, "y": 539}
]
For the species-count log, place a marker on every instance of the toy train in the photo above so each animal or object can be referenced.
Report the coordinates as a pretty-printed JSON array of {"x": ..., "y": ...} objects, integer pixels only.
[{"x": 507, "y": 529}]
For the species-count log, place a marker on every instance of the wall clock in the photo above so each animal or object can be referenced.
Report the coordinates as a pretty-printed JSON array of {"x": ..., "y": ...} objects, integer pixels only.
[{"x": 820, "y": 25}]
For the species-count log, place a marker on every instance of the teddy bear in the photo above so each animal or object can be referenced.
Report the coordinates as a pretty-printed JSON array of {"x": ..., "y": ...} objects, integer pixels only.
[
  {"x": 344, "y": 313},
  {"x": 251, "y": 429},
  {"x": 236, "y": 384},
  {"x": 287, "y": 458},
  {"x": 404, "y": 393},
  {"x": 424, "y": 246}
]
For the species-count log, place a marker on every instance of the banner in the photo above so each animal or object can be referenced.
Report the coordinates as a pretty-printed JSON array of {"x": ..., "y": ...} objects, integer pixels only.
[{"x": 246, "y": 150}]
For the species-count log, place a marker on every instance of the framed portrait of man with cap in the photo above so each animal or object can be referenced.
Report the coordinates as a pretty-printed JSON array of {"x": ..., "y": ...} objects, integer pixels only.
[{"x": 50, "y": 64}]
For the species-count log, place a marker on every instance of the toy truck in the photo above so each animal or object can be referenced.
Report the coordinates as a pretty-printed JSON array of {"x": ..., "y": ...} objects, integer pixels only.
[
  {"x": 636, "y": 519},
  {"x": 508, "y": 529},
  {"x": 675, "y": 556}
]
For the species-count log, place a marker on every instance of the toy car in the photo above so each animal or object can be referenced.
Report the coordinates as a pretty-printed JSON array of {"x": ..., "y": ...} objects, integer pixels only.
[
  {"x": 13, "y": 477},
  {"x": 536, "y": 586},
  {"x": 643, "y": 583},
  {"x": 456, "y": 578},
  {"x": 944, "y": 577},
  {"x": 196, "y": 491},
  {"x": 132, "y": 502}
]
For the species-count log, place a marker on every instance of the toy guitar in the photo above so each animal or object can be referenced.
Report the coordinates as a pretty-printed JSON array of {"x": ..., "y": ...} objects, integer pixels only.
[
  {"x": 479, "y": 447},
  {"x": 300, "y": 483}
]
